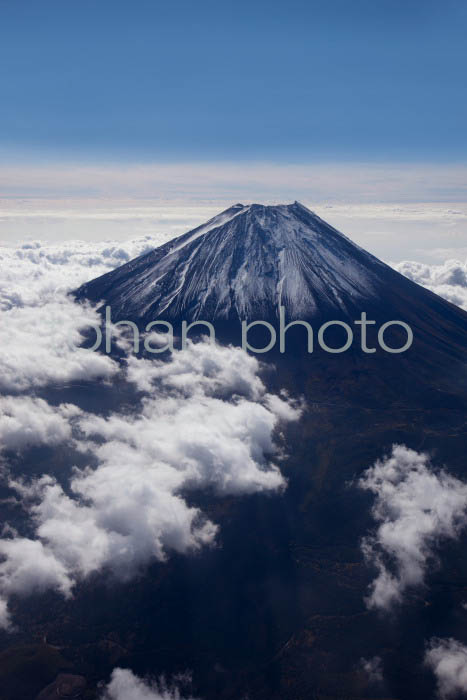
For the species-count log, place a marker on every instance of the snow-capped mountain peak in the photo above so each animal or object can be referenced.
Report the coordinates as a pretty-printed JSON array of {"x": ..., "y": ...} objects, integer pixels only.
[
  {"x": 249, "y": 260},
  {"x": 244, "y": 263}
]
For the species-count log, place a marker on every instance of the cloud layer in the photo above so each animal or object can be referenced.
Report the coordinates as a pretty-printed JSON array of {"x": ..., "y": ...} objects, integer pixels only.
[
  {"x": 448, "y": 280},
  {"x": 415, "y": 507},
  {"x": 394, "y": 229},
  {"x": 191, "y": 182}
]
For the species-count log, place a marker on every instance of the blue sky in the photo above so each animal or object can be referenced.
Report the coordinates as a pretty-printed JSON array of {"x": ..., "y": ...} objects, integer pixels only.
[
  {"x": 123, "y": 118},
  {"x": 297, "y": 81}
]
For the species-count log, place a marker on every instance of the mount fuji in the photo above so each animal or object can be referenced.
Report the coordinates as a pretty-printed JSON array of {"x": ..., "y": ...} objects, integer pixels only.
[
  {"x": 279, "y": 609},
  {"x": 244, "y": 263},
  {"x": 250, "y": 260}
]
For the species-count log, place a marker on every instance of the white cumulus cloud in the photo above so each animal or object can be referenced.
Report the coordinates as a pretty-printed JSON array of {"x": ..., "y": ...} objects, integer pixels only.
[
  {"x": 448, "y": 280},
  {"x": 205, "y": 422},
  {"x": 28, "y": 566},
  {"x": 415, "y": 507},
  {"x": 41, "y": 327},
  {"x": 26, "y": 421},
  {"x": 202, "y": 366},
  {"x": 125, "y": 685},
  {"x": 447, "y": 658}
]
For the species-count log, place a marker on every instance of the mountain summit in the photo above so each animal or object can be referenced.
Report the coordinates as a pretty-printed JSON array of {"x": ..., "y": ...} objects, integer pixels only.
[
  {"x": 245, "y": 263},
  {"x": 249, "y": 260}
]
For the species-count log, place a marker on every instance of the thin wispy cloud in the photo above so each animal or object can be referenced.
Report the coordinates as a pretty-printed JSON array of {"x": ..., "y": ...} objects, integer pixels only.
[{"x": 373, "y": 669}]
